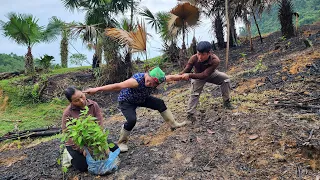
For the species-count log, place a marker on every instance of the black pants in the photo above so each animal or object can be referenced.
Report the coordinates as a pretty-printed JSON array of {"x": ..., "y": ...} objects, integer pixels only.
[
  {"x": 79, "y": 160},
  {"x": 129, "y": 110}
]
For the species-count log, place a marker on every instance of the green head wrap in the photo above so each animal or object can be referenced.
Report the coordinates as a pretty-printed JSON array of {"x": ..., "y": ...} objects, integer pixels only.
[{"x": 158, "y": 75}]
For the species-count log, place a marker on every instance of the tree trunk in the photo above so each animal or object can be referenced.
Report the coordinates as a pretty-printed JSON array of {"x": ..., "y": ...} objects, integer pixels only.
[
  {"x": 128, "y": 64},
  {"x": 194, "y": 45},
  {"x": 98, "y": 52},
  {"x": 228, "y": 31},
  {"x": 183, "y": 35},
  {"x": 248, "y": 25},
  {"x": 29, "y": 66},
  {"x": 231, "y": 32},
  {"x": 113, "y": 72},
  {"x": 128, "y": 58},
  {"x": 297, "y": 24},
  {"x": 255, "y": 21},
  {"x": 219, "y": 31},
  {"x": 131, "y": 16},
  {"x": 64, "y": 51}
]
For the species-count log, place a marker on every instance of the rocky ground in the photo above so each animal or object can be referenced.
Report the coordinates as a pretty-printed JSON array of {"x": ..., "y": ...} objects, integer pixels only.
[{"x": 273, "y": 133}]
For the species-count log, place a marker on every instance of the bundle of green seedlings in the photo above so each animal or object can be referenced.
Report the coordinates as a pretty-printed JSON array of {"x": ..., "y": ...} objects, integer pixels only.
[{"x": 86, "y": 132}]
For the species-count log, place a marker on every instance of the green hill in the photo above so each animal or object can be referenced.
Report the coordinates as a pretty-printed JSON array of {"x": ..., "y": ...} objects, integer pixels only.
[
  {"x": 11, "y": 62},
  {"x": 309, "y": 11}
]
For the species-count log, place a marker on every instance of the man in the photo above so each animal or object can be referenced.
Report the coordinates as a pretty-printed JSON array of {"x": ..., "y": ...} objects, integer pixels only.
[
  {"x": 205, "y": 66},
  {"x": 78, "y": 101},
  {"x": 136, "y": 92}
]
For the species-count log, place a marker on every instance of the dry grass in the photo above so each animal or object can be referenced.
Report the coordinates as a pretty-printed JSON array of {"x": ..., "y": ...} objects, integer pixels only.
[
  {"x": 3, "y": 101},
  {"x": 11, "y": 160},
  {"x": 248, "y": 84},
  {"x": 297, "y": 64},
  {"x": 154, "y": 140}
]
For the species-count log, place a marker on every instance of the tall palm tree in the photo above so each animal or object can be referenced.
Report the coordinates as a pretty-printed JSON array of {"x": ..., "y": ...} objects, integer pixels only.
[
  {"x": 24, "y": 30},
  {"x": 184, "y": 15},
  {"x": 285, "y": 15},
  {"x": 90, "y": 35},
  {"x": 64, "y": 31},
  {"x": 218, "y": 28},
  {"x": 214, "y": 9}
]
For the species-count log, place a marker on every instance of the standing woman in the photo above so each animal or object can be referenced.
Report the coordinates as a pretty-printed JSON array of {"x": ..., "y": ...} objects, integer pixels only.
[{"x": 136, "y": 92}]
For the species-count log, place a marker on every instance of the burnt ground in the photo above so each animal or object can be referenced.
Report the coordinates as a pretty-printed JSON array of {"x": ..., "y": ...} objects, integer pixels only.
[{"x": 273, "y": 133}]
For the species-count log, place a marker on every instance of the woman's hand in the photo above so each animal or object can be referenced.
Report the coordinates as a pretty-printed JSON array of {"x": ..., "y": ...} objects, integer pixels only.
[{"x": 175, "y": 77}]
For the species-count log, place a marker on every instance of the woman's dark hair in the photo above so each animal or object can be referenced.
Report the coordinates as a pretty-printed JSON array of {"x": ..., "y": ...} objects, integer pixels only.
[
  {"x": 204, "y": 46},
  {"x": 69, "y": 92}
]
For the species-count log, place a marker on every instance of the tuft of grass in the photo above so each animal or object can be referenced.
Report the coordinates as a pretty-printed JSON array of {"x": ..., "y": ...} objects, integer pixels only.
[{"x": 68, "y": 70}]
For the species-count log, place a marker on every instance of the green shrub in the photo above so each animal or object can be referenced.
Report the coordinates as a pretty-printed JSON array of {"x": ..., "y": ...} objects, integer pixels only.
[{"x": 85, "y": 132}]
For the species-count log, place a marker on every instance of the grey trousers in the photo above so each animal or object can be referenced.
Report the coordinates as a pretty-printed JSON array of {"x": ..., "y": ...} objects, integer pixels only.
[{"x": 218, "y": 78}]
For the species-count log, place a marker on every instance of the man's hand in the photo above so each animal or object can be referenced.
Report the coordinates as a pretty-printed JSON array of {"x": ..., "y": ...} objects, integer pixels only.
[
  {"x": 185, "y": 76},
  {"x": 91, "y": 91}
]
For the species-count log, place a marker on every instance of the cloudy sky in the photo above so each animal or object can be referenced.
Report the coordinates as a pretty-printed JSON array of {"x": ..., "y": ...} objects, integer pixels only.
[{"x": 45, "y": 9}]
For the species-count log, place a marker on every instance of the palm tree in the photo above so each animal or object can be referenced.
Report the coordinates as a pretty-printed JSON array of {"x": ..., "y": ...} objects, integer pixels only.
[
  {"x": 24, "y": 30},
  {"x": 159, "y": 22},
  {"x": 100, "y": 14},
  {"x": 218, "y": 28},
  {"x": 184, "y": 15},
  {"x": 285, "y": 15},
  {"x": 90, "y": 35},
  {"x": 64, "y": 31},
  {"x": 214, "y": 9}
]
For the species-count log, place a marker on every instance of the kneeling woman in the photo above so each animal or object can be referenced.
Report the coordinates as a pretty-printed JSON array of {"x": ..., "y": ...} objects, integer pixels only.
[
  {"x": 78, "y": 102},
  {"x": 136, "y": 92}
]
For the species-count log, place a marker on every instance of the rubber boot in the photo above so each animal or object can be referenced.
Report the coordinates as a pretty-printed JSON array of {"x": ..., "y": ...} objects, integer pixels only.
[
  {"x": 168, "y": 117},
  {"x": 123, "y": 140}
]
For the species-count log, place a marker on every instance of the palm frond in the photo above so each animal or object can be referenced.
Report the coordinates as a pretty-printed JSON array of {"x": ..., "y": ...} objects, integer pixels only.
[
  {"x": 124, "y": 24},
  {"x": 136, "y": 40},
  {"x": 71, "y": 4},
  {"x": 55, "y": 27},
  {"x": 89, "y": 33},
  {"x": 22, "y": 28},
  {"x": 150, "y": 18}
]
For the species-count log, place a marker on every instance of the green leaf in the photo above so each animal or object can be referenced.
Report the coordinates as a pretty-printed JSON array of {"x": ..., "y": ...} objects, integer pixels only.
[
  {"x": 74, "y": 133},
  {"x": 61, "y": 146},
  {"x": 63, "y": 138},
  {"x": 69, "y": 123},
  {"x": 79, "y": 140},
  {"x": 59, "y": 161},
  {"x": 111, "y": 145},
  {"x": 64, "y": 169}
]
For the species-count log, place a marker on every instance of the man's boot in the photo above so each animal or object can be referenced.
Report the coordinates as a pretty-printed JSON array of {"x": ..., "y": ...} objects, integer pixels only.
[
  {"x": 227, "y": 105},
  {"x": 123, "y": 140},
  {"x": 168, "y": 117}
]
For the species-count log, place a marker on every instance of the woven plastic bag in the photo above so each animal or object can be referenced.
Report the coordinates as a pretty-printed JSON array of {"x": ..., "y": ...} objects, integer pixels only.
[{"x": 103, "y": 167}]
